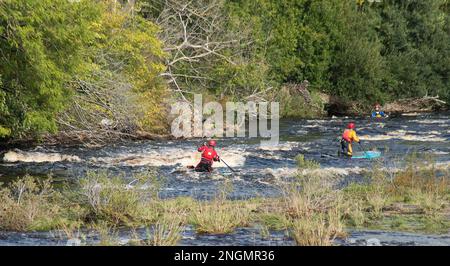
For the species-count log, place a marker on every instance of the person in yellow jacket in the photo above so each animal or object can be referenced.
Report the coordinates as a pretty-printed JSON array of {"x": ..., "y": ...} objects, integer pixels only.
[{"x": 348, "y": 138}]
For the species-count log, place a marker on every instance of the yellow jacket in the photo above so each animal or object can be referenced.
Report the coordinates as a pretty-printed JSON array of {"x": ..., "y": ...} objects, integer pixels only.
[{"x": 350, "y": 135}]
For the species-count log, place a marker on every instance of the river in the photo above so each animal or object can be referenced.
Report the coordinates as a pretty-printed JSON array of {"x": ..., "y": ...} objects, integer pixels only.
[{"x": 260, "y": 169}]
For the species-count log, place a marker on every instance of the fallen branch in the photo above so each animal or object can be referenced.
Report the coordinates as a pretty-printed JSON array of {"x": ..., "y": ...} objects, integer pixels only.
[{"x": 411, "y": 105}]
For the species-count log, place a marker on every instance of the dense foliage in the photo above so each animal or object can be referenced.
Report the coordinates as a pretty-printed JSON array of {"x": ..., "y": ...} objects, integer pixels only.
[
  {"x": 42, "y": 44},
  {"x": 72, "y": 63},
  {"x": 69, "y": 65},
  {"x": 361, "y": 50}
]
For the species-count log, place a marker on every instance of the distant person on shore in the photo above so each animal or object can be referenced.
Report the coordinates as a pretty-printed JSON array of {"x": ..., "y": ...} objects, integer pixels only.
[
  {"x": 348, "y": 138},
  {"x": 378, "y": 113}
]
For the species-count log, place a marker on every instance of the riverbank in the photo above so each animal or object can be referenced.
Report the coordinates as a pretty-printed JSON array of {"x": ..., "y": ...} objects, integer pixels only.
[
  {"x": 336, "y": 106},
  {"x": 79, "y": 139}
]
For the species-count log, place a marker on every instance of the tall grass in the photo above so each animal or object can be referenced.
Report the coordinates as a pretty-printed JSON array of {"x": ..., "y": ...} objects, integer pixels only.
[
  {"x": 29, "y": 204},
  {"x": 303, "y": 163},
  {"x": 164, "y": 233},
  {"x": 314, "y": 231},
  {"x": 219, "y": 217},
  {"x": 419, "y": 191},
  {"x": 315, "y": 211},
  {"x": 111, "y": 199}
]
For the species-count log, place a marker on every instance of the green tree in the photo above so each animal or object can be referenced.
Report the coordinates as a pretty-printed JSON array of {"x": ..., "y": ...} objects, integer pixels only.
[
  {"x": 358, "y": 69},
  {"x": 122, "y": 83},
  {"x": 416, "y": 44},
  {"x": 42, "y": 44},
  {"x": 275, "y": 31}
]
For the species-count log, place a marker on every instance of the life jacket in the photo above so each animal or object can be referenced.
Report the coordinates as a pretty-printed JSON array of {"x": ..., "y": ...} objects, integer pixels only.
[
  {"x": 378, "y": 114},
  {"x": 350, "y": 135},
  {"x": 208, "y": 154}
]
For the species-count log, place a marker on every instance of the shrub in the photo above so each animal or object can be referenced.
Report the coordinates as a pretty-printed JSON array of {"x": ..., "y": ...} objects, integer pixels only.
[
  {"x": 164, "y": 233},
  {"x": 110, "y": 199},
  {"x": 315, "y": 230},
  {"x": 219, "y": 217},
  {"x": 305, "y": 163},
  {"x": 29, "y": 204}
]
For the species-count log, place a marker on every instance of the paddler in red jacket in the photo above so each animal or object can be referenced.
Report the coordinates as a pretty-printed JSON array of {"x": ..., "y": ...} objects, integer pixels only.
[{"x": 209, "y": 155}]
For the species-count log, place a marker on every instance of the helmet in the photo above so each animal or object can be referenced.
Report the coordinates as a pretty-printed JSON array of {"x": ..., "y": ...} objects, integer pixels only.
[
  {"x": 351, "y": 126},
  {"x": 212, "y": 143}
]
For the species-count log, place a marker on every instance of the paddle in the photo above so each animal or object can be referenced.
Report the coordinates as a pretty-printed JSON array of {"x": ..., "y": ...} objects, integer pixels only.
[{"x": 228, "y": 165}]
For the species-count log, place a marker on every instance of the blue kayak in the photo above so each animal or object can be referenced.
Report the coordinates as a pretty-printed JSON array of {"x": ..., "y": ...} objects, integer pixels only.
[{"x": 366, "y": 155}]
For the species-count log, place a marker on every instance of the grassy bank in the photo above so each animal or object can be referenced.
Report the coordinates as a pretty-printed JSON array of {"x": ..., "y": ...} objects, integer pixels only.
[{"x": 311, "y": 210}]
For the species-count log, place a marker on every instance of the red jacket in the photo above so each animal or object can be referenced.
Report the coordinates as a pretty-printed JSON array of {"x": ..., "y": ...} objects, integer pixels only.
[{"x": 208, "y": 154}]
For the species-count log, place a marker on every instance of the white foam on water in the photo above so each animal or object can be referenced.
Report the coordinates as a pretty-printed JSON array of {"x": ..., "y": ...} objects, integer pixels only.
[
  {"x": 408, "y": 135},
  {"x": 73, "y": 242},
  {"x": 411, "y": 114},
  {"x": 318, "y": 121},
  {"x": 342, "y": 172},
  {"x": 441, "y": 166},
  {"x": 395, "y": 169},
  {"x": 284, "y": 146},
  {"x": 286, "y": 172},
  {"x": 440, "y": 152},
  {"x": 265, "y": 183},
  {"x": 216, "y": 177},
  {"x": 172, "y": 156},
  {"x": 432, "y": 121},
  {"x": 271, "y": 155},
  {"x": 278, "y": 173},
  {"x": 313, "y": 126},
  {"x": 332, "y": 171},
  {"x": 17, "y": 155},
  {"x": 434, "y": 132},
  {"x": 397, "y": 238}
]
